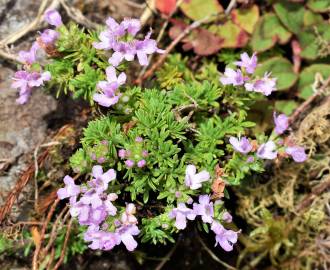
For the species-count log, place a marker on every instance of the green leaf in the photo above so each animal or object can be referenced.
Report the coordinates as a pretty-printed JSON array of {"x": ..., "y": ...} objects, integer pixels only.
[
  {"x": 246, "y": 18},
  {"x": 307, "y": 78},
  {"x": 309, "y": 40},
  {"x": 268, "y": 31},
  {"x": 280, "y": 68},
  {"x": 199, "y": 9},
  {"x": 233, "y": 36},
  {"x": 319, "y": 5},
  {"x": 291, "y": 15},
  {"x": 286, "y": 106},
  {"x": 311, "y": 18}
]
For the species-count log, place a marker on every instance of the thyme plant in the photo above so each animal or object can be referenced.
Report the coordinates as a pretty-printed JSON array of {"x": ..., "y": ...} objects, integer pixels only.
[{"x": 160, "y": 157}]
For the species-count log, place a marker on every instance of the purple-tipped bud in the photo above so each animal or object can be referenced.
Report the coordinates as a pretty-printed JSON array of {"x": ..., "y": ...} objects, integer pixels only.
[
  {"x": 250, "y": 159},
  {"x": 145, "y": 153},
  {"x": 178, "y": 194},
  {"x": 122, "y": 153},
  {"x": 53, "y": 17},
  {"x": 226, "y": 217},
  {"x": 104, "y": 142},
  {"x": 141, "y": 163},
  {"x": 139, "y": 139},
  {"x": 101, "y": 160},
  {"x": 129, "y": 163},
  {"x": 190, "y": 200},
  {"x": 93, "y": 156}
]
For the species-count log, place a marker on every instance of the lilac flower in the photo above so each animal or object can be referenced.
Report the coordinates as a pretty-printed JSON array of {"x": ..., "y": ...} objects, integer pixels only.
[
  {"x": 248, "y": 63},
  {"x": 241, "y": 145},
  {"x": 145, "y": 47},
  {"x": 106, "y": 41},
  {"x": 281, "y": 123},
  {"x": 232, "y": 77},
  {"x": 129, "y": 163},
  {"x": 225, "y": 238},
  {"x": 181, "y": 213},
  {"x": 26, "y": 81},
  {"x": 266, "y": 85},
  {"x": 70, "y": 189},
  {"x": 101, "y": 180},
  {"x": 29, "y": 57},
  {"x": 141, "y": 163},
  {"x": 101, "y": 239},
  {"x": 122, "y": 50},
  {"x": 267, "y": 150},
  {"x": 108, "y": 96},
  {"x": 204, "y": 208},
  {"x": 49, "y": 36},
  {"x": 97, "y": 216},
  {"x": 126, "y": 233},
  {"x": 132, "y": 26},
  {"x": 297, "y": 152},
  {"x": 194, "y": 180},
  {"x": 53, "y": 17},
  {"x": 92, "y": 197},
  {"x": 226, "y": 217}
]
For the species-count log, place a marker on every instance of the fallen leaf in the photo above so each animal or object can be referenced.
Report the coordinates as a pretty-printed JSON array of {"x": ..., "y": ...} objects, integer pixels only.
[
  {"x": 199, "y": 9},
  {"x": 166, "y": 6},
  {"x": 202, "y": 41},
  {"x": 246, "y": 18},
  {"x": 35, "y": 235}
]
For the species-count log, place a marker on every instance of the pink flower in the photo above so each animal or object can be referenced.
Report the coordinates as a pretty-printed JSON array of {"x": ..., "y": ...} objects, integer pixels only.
[
  {"x": 181, "y": 213},
  {"x": 70, "y": 189},
  {"x": 241, "y": 145},
  {"x": 122, "y": 153},
  {"x": 297, "y": 152},
  {"x": 129, "y": 163},
  {"x": 141, "y": 163},
  {"x": 267, "y": 150},
  {"x": 281, "y": 123},
  {"x": 225, "y": 238},
  {"x": 194, "y": 180},
  {"x": 53, "y": 17},
  {"x": 232, "y": 77},
  {"x": 248, "y": 63}
]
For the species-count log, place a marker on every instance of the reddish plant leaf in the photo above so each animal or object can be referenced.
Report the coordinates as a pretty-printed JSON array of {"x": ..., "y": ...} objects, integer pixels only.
[
  {"x": 166, "y": 6},
  {"x": 202, "y": 41}
]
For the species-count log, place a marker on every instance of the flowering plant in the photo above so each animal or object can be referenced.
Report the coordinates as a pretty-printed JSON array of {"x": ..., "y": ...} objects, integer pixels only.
[{"x": 160, "y": 157}]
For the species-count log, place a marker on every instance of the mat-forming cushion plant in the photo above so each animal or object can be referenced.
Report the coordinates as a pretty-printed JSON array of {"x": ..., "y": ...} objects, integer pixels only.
[{"x": 160, "y": 158}]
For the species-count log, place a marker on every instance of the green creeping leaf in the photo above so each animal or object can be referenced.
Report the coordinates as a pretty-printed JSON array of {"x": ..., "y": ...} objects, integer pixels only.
[
  {"x": 286, "y": 106},
  {"x": 308, "y": 40},
  {"x": 246, "y": 18},
  {"x": 204, "y": 94},
  {"x": 62, "y": 71},
  {"x": 105, "y": 128},
  {"x": 291, "y": 15},
  {"x": 307, "y": 78},
  {"x": 268, "y": 31},
  {"x": 311, "y": 18},
  {"x": 319, "y": 5},
  {"x": 233, "y": 36},
  {"x": 280, "y": 68},
  {"x": 199, "y": 9}
]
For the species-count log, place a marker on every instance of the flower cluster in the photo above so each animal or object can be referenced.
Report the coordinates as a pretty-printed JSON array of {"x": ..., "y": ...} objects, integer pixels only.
[
  {"x": 92, "y": 206},
  {"x": 205, "y": 208},
  {"x": 26, "y": 79},
  {"x": 135, "y": 156},
  {"x": 265, "y": 85},
  {"x": 269, "y": 149},
  {"x": 120, "y": 38}
]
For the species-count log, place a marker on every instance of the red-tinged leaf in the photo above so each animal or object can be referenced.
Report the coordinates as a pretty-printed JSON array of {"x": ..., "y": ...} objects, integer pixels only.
[
  {"x": 199, "y": 9},
  {"x": 232, "y": 35},
  {"x": 166, "y": 6},
  {"x": 202, "y": 41},
  {"x": 246, "y": 18}
]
